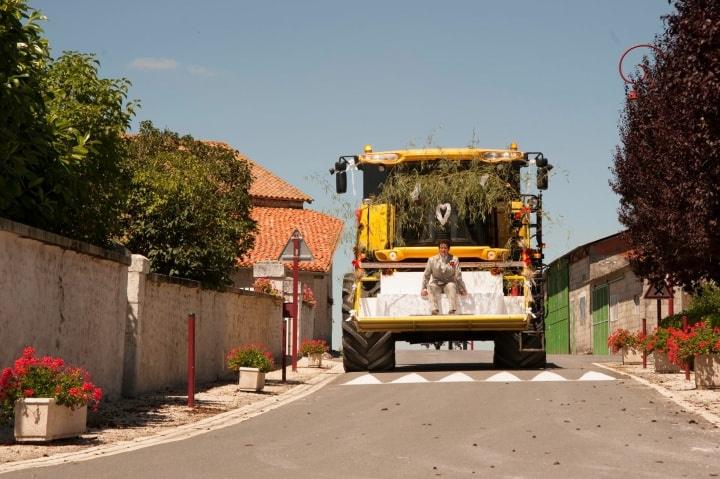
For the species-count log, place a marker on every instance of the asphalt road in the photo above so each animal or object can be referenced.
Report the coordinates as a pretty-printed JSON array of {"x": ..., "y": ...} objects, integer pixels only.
[{"x": 448, "y": 415}]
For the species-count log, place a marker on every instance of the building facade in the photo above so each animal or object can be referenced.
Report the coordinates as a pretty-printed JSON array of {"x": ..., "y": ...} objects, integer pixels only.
[{"x": 591, "y": 291}]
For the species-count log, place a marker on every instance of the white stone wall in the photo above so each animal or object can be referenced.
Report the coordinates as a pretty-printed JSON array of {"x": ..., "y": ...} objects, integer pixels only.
[
  {"x": 98, "y": 310},
  {"x": 65, "y": 298},
  {"x": 156, "y": 349}
]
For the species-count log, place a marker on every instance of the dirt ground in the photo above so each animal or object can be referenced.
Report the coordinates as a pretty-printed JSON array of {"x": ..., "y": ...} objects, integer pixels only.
[{"x": 128, "y": 420}]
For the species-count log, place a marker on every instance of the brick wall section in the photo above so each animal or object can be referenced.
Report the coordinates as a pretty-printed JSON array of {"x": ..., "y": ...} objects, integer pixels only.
[{"x": 65, "y": 298}]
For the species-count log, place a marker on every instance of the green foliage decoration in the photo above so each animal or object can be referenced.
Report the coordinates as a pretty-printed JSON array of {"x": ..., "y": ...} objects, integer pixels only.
[
  {"x": 189, "y": 207},
  {"x": 472, "y": 188}
]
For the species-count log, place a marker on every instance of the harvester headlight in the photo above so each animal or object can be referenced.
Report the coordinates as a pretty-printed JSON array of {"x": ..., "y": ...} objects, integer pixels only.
[
  {"x": 393, "y": 255},
  {"x": 380, "y": 157}
]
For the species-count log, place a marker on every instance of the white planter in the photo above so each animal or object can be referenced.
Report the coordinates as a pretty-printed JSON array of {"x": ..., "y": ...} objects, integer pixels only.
[
  {"x": 631, "y": 356},
  {"x": 707, "y": 371},
  {"x": 251, "y": 379},
  {"x": 40, "y": 419},
  {"x": 315, "y": 360},
  {"x": 663, "y": 364}
]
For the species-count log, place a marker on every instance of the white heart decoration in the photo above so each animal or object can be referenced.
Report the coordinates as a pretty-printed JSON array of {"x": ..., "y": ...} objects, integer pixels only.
[{"x": 443, "y": 218}]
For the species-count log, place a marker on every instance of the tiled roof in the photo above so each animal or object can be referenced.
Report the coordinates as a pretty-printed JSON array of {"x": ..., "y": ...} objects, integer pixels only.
[
  {"x": 320, "y": 232},
  {"x": 267, "y": 185}
]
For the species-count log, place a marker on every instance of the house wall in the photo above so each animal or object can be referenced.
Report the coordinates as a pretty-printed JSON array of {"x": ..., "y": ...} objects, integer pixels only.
[
  {"x": 580, "y": 312},
  {"x": 320, "y": 327},
  {"x": 65, "y": 298},
  {"x": 606, "y": 263}
]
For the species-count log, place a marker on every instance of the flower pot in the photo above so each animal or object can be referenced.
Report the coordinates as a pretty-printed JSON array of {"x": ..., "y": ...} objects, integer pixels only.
[
  {"x": 707, "y": 371},
  {"x": 251, "y": 379},
  {"x": 663, "y": 364},
  {"x": 40, "y": 419},
  {"x": 315, "y": 360},
  {"x": 631, "y": 356}
]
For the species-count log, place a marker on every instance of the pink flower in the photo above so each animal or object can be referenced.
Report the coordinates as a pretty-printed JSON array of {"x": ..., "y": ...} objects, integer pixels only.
[{"x": 28, "y": 393}]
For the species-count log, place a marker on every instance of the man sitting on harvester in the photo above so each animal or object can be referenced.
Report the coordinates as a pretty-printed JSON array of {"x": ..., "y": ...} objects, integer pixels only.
[{"x": 443, "y": 275}]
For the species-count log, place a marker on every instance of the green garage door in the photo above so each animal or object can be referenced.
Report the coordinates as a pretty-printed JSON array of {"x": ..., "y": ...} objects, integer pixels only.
[
  {"x": 557, "y": 322},
  {"x": 600, "y": 319}
]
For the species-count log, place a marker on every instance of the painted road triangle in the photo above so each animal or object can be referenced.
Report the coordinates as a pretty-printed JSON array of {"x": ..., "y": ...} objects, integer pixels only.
[
  {"x": 548, "y": 376},
  {"x": 456, "y": 378},
  {"x": 410, "y": 378},
  {"x": 595, "y": 376},
  {"x": 366, "y": 379},
  {"x": 503, "y": 377}
]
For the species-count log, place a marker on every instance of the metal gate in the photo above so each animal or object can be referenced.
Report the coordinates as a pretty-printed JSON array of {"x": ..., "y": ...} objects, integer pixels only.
[
  {"x": 557, "y": 322},
  {"x": 600, "y": 319}
]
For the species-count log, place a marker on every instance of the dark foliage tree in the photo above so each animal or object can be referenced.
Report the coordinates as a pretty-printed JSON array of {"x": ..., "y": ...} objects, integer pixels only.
[
  {"x": 667, "y": 167},
  {"x": 189, "y": 206}
]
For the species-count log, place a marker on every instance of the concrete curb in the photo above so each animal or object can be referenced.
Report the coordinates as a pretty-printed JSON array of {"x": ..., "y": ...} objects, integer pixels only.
[
  {"x": 219, "y": 421},
  {"x": 708, "y": 416}
]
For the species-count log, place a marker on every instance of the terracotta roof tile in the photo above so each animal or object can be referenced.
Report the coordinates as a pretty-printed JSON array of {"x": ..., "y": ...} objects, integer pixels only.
[
  {"x": 321, "y": 233},
  {"x": 267, "y": 185}
]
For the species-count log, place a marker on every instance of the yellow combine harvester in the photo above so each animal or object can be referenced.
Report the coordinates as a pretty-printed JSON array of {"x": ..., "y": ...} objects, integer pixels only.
[{"x": 472, "y": 197}]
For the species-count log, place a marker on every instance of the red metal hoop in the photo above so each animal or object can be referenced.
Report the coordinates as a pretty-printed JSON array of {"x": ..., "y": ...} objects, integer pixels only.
[{"x": 622, "y": 58}]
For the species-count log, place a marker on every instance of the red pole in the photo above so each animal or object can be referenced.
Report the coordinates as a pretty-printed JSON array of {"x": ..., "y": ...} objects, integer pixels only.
[
  {"x": 296, "y": 254},
  {"x": 687, "y": 364},
  {"x": 644, "y": 330},
  {"x": 284, "y": 348},
  {"x": 191, "y": 360},
  {"x": 671, "y": 301}
]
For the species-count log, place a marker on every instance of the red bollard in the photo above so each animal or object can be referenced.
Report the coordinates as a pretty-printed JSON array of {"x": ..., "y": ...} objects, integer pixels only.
[
  {"x": 191, "y": 360},
  {"x": 687, "y": 365},
  {"x": 644, "y": 330}
]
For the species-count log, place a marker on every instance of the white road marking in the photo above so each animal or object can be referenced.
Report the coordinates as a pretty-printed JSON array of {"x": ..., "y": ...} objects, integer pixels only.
[
  {"x": 409, "y": 379},
  {"x": 456, "y": 378},
  {"x": 548, "y": 376},
  {"x": 366, "y": 379},
  {"x": 595, "y": 376},
  {"x": 503, "y": 377}
]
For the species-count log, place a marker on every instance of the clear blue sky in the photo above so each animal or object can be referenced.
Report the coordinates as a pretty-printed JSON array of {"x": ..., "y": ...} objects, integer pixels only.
[{"x": 296, "y": 84}]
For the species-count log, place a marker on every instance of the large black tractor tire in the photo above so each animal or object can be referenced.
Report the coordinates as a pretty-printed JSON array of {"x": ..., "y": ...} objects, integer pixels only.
[
  {"x": 363, "y": 351},
  {"x": 507, "y": 354},
  {"x": 367, "y": 351}
]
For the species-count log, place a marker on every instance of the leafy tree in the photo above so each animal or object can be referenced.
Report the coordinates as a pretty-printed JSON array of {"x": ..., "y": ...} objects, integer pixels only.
[
  {"x": 26, "y": 137},
  {"x": 189, "y": 207},
  {"x": 94, "y": 186},
  {"x": 60, "y": 134},
  {"x": 667, "y": 166}
]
